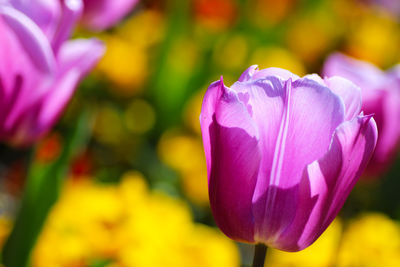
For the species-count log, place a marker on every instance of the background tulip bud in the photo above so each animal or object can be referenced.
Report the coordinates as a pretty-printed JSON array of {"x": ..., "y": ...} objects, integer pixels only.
[{"x": 380, "y": 96}]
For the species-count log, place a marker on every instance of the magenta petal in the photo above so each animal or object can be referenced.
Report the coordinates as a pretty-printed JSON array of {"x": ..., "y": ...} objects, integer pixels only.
[
  {"x": 80, "y": 55},
  {"x": 363, "y": 74},
  {"x": 380, "y": 96},
  {"x": 101, "y": 14},
  {"x": 247, "y": 74},
  {"x": 75, "y": 58},
  {"x": 232, "y": 153},
  {"x": 281, "y": 158},
  {"x": 71, "y": 12},
  {"x": 348, "y": 92},
  {"x": 44, "y": 13},
  {"x": 387, "y": 113},
  {"x": 31, "y": 38},
  {"x": 307, "y": 117},
  {"x": 281, "y": 73},
  {"x": 211, "y": 97},
  {"x": 327, "y": 182}
]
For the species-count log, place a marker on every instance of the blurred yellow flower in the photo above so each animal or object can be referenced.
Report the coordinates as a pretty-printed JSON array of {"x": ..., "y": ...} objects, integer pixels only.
[
  {"x": 127, "y": 225},
  {"x": 139, "y": 116},
  {"x": 144, "y": 29},
  {"x": 374, "y": 37},
  {"x": 125, "y": 64},
  {"x": 192, "y": 112},
  {"x": 126, "y": 61},
  {"x": 183, "y": 55},
  {"x": 373, "y": 240},
  {"x": 320, "y": 254},
  {"x": 231, "y": 53},
  {"x": 184, "y": 153},
  {"x": 5, "y": 228},
  {"x": 312, "y": 35},
  {"x": 108, "y": 126},
  {"x": 279, "y": 57}
]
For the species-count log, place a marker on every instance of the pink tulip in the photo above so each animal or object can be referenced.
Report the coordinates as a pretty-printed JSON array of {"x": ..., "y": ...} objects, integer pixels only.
[
  {"x": 390, "y": 6},
  {"x": 101, "y": 14},
  {"x": 39, "y": 71},
  {"x": 283, "y": 154},
  {"x": 380, "y": 96},
  {"x": 55, "y": 18}
]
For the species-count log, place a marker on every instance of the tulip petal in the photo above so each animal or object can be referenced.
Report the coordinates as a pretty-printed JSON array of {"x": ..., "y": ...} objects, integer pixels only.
[
  {"x": 247, "y": 74},
  {"x": 43, "y": 12},
  {"x": 348, "y": 92},
  {"x": 253, "y": 73},
  {"x": 75, "y": 59},
  {"x": 345, "y": 89},
  {"x": 302, "y": 117},
  {"x": 102, "y": 14},
  {"x": 361, "y": 73},
  {"x": 210, "y": 99},
  {"x": 31, "y": 38},
  {"x": 71, "y": 12},
  {"x": 18, "y": 75},
  {"x": 327, "y": 182},
  {"x": 232, "y": 154},
  {"x": 387, "y": 115},
  {"x": 281, "y": 73}
]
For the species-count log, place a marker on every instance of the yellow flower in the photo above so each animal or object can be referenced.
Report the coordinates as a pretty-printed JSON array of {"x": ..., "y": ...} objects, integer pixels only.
[
  {"x": 231, "y": 53},
  {"x": 279, "y": 57},
  {"x": 145, "y": 29},
  {"x": 192, "y": 112},
  {"x": 320, "y": 254},
  {"x": 184, "y": 153},
  {"x": 139, "y": 116},
  {"x": 5, "y": 228},
  {"x": 127, "y": 225},
  {"x": 125, "y": 64},
  {"x": 374, "y": 37},
  {"x": 108, "y": 126},
  {"x": 373, "y": 240},
  {"x": 126, "y": 61},
  {"x": 312, "y": 35}
]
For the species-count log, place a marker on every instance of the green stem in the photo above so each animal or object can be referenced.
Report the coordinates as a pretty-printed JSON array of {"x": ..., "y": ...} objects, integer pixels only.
[{"x": 259, "y": 255}]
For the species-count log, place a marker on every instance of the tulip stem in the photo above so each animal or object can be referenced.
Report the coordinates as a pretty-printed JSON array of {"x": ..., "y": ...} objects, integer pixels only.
[{"x": 259, "y": 255}]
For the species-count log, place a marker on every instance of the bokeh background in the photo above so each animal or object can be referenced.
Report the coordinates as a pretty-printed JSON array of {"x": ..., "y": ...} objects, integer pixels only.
[{"x": 125, "y": 165}]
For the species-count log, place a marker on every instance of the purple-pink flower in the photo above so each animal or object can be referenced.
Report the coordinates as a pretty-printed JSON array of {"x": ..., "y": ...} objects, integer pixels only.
[
  {"x": 390, "y": 6},
  {"x": 102, "y": 14},
  {"x": 380, "y": 96},
  {"x": 283, "y": 154},
  {"x": 39, "y": 69}
]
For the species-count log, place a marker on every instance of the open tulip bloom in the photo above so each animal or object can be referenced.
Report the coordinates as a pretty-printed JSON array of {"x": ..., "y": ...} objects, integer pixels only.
[
  {"x": 39, "y": 69},
  {"x": 381, "y": 96},
  {"x": 283, "y": 154}
]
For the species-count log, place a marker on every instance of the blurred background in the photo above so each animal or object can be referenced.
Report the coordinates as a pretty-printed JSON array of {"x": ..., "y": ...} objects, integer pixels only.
[{"x": 133, "y": 185}]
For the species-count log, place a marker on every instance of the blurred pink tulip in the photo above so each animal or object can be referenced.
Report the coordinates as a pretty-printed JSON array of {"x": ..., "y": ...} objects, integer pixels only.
[
  {"x": 55, "y": 18},
  {"x": 283, "y": 154},
  {"x": 390, "y": 6},
  {"x": 39, "y": 70},
  {"x": 101, "y": 14},
  {"x": 380, "y": 96}
]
